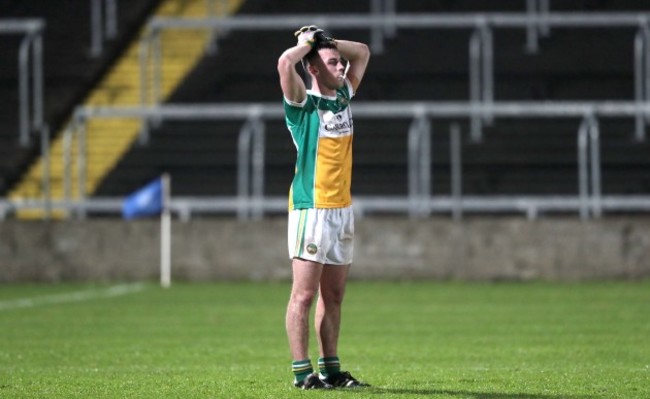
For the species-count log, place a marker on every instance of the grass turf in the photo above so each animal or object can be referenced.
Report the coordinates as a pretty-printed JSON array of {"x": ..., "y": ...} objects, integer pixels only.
[{"x": 409, "y": 340}]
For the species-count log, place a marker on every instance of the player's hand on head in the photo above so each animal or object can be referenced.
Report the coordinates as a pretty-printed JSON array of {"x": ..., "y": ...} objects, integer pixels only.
[
  {"x": 311, "y": 34},
  {"x": 320, "y": 36},
  {"x": 307, "y": 34}
]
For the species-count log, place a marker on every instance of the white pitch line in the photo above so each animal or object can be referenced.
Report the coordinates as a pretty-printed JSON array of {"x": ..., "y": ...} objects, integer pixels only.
[{"x": 79, "y": 296}]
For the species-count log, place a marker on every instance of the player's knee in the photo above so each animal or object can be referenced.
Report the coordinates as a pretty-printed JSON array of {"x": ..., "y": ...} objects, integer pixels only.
[{"x": 303, "y": 298}]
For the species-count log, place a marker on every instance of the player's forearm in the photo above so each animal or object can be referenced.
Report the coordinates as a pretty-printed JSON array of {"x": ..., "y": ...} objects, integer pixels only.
[
  {"x": 353, "y": 51},
  {"x": 292, "y": 85},
  {"x": 358, "y": 55},
  {"x": 292, "y": 56}
]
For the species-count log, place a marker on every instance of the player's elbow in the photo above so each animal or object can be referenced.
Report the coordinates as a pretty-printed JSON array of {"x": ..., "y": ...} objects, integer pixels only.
[
  {"x": 364, "y": 51},
  {"x": 284, "y": 64}
]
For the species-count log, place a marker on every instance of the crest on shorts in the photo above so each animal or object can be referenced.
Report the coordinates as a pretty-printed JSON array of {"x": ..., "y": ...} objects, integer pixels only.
[{"x": 312, "y": 249}]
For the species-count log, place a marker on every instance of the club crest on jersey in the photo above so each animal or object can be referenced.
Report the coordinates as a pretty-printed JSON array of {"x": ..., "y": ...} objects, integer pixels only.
[{"x": 312, "y": 249}]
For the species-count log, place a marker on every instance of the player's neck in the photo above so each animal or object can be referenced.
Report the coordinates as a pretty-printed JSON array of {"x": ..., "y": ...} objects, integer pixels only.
[{"x": 323, "y": 91}]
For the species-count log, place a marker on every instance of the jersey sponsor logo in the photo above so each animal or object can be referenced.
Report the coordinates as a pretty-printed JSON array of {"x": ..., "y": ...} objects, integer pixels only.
[{"x": 336, "y": 125}]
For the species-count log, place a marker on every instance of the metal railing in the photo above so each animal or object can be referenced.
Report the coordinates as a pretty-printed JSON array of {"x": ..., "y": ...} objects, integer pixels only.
[
  {"x": 481, "y": 53},
  {"x": 30, "y": 111},
  {"x": 250, "y": 200},
  {"x": 103, "y": 24},
  {"x": 481, "y": 108}
]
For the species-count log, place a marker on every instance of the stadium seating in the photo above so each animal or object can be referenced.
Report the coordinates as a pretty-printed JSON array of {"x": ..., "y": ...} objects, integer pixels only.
[
  {"x": 521, "y": 156},
  {"x": 516, "y": 156},
  {"x": 69, "y": 69}
]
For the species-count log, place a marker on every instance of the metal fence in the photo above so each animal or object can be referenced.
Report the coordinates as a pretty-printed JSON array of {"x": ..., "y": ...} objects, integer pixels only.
[
  {"x": 251, "y": 202},
  {"x": 481, "y": 48},
  {"x": 30, "y": 69},
  {"x": 480, "y": 109}
]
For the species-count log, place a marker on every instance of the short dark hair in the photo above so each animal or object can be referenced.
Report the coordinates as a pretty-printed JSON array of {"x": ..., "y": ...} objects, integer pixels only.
[{"x": 321, "y": 44}]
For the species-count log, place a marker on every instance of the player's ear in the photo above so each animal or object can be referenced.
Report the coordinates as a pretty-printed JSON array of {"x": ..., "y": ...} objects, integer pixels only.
[{"x": 312, "y": 69}]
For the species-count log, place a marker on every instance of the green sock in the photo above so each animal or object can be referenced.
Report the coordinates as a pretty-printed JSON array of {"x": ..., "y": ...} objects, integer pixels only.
[
  {"x": 329, "y": 365},
  {"x": 301, "y": 369}
]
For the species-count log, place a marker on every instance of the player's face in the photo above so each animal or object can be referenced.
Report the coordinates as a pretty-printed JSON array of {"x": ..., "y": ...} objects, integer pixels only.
[{"x": 331, "y": 68}]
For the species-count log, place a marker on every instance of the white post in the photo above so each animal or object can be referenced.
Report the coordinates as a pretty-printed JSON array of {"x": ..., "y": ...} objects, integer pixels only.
[{"x": 165, "y": 234}]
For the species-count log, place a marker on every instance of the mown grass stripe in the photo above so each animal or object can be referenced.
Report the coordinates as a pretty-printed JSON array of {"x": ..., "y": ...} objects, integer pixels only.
[{"x": 78, "y": 296}]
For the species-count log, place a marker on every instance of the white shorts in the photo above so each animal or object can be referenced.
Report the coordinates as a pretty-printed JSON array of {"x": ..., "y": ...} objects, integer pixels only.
[{"x": 322, "y": 235}]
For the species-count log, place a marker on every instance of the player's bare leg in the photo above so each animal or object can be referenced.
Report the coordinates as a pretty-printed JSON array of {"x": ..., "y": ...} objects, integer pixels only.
[
  {"x": 328, "y": 325},
  {"x": 328, "y": 308},
  {"x": 306, "y": 278}
]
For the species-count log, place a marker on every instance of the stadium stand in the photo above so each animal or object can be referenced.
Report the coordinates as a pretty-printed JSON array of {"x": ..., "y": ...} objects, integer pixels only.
[
  {"x": 106, "y": 141},
  {"x": 70, "y": 71},
  {"x": 515, "y": 157}
]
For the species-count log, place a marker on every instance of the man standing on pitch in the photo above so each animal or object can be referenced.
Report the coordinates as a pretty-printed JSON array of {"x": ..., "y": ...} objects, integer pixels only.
[{"x": 321, "y": 222}]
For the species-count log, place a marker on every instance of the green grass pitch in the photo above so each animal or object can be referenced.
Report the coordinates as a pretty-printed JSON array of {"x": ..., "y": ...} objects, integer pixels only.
[{"x": 409, "y": 340}]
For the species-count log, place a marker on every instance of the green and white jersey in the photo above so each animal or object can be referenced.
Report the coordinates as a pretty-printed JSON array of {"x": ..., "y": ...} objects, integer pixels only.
[{"x": 321, "y": 128}]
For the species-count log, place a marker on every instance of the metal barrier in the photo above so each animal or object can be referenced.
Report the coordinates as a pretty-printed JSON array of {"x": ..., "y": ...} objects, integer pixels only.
[
  {"x": 32, "y": 42},
  {"x": 537, "y": 20},
  {"x": 250, "y": 200},
  {"x": 103, "y": 24},
  {"x": 481, "y": 108}
]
